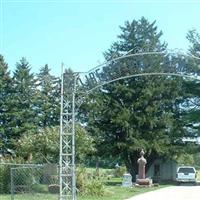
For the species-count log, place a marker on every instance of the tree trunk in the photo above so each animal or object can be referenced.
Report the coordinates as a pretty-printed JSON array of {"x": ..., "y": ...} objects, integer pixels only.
[
  {"x": 131, "y": 164},
  {"x": 97, "y": 166}
]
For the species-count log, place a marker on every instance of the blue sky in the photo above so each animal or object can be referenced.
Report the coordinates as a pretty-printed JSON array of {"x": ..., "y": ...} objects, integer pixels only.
[{"x": 78, "y": 32}]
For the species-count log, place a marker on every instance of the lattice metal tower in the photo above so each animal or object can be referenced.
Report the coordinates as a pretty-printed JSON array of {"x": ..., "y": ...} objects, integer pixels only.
[{"x": 67, "y": 137}]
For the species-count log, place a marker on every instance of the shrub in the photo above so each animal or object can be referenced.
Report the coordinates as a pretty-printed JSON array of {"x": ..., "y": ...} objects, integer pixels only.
[
  {"x": 89, "y": 184},
  {"x": 4, "y": 179},
  {"x": 94, "y": 187},
  {"x": 39, "y": 188},
  {"x": 81, "y": 178},
  {"x": 119, "y": 171}
]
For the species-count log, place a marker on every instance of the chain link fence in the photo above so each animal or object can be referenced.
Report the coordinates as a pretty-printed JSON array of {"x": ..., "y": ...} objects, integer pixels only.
[{"x": 29, "y": 182}]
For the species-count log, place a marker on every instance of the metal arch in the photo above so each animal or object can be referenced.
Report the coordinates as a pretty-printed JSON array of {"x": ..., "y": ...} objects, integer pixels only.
[
  {"x": 95, "y": 71},
  {"x": 143, "y": 74},
  {"x": 85, "y": 94},
  {"x": 141, "y": 53},
  {"x": 67, "y": 173}
]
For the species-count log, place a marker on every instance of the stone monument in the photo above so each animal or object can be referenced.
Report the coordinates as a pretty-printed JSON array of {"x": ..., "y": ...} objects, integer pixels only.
[
  {"x": 141, "y": 162},
  {"x": 127, "y": 180},
  {"x": 142, "y": 180}
]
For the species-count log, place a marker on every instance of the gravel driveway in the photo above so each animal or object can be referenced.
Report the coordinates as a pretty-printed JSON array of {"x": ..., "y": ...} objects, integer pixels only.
[{"x": 171, "y": 193}]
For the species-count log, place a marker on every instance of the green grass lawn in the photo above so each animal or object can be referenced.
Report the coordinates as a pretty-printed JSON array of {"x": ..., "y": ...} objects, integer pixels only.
[
  {"x": 198, "y": 175},
  {"x": 119, "y": 193},
  {"x": 113, "y": 188},
  {"x": 30, "y": 197},
  {"x": 115, "y": 193}
]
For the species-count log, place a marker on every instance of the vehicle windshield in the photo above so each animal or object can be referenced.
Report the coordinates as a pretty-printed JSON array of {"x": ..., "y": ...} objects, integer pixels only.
[{"x": 186, "y": 170}]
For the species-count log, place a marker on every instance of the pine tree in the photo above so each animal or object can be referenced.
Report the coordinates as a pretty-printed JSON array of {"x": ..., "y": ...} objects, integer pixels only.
[
  {"x": 48, "y": 98},
  {"x": 194, "y": 38},
  {"x": 192, "y": 87},
  {"x": 5, "y": 92},
  {"x": 141, "y": 112},
  {"x": 23, "y": 100}
]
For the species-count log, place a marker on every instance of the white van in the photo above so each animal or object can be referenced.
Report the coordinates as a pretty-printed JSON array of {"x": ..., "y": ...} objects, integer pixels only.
[{"x": 186, "y": 174}]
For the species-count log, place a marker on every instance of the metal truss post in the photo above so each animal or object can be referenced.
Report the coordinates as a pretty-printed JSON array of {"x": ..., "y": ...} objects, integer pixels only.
[{"x": 67, "y": 174}]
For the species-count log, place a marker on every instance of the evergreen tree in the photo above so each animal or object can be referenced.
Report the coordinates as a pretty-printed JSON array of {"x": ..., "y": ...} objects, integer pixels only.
[
  {"x": 23, "y": 100},
  {"x": 194, "y": 38},
  {"x": 48, "y": 99},
  {"x": 141, "y": 112},
  {"x": 192, "y": 88},
  {"x": 5, "y": 92}
]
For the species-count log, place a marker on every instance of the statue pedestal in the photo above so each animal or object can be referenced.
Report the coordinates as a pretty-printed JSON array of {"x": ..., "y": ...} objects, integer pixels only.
[{"x": 144, "y": 182}]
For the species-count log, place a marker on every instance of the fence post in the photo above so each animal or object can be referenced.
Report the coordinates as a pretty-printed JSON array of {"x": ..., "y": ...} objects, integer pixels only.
[{"x": 12, "y": 184}]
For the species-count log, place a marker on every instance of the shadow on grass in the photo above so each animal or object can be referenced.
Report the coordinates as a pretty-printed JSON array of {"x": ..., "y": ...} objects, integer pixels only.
[
  {"x": 118, "y": 182},
  {"x": 168, "y": 183},
  {"x": 113, "y": 182}
]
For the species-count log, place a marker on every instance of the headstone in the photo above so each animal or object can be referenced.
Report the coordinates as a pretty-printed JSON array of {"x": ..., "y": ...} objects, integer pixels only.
[{"x": 127, "y": 180}]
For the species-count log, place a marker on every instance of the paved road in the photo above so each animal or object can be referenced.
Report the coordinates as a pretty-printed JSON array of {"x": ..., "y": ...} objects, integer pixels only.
[{"x": 171, "y": 193}]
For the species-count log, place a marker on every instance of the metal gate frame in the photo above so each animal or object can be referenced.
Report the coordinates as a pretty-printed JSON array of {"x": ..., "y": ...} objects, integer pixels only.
[{"x": 67, "y": 174}]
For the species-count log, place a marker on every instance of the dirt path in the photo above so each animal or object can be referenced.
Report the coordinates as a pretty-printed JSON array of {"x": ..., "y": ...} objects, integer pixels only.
[{"x": 171, "y": 193}]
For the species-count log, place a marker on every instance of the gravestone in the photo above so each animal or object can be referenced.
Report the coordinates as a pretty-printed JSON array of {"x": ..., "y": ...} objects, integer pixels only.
[{"x": 127, "y": 180}]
